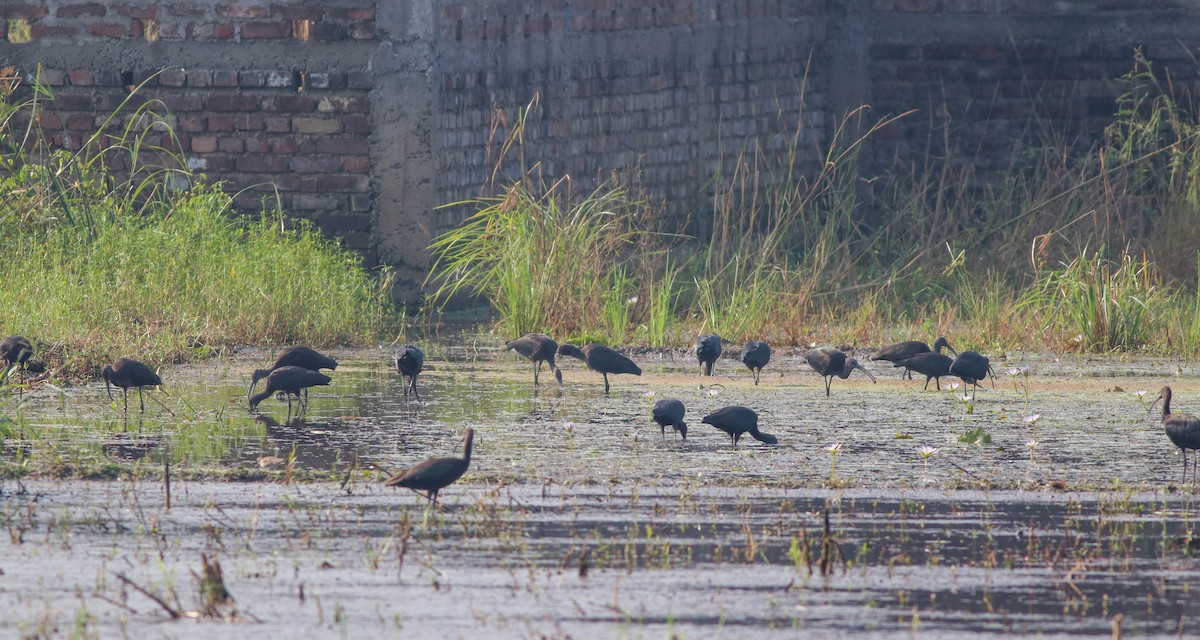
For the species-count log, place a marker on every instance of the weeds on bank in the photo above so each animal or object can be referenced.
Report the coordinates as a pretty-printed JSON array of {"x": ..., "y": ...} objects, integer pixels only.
[{"x": 121, "y": 249}]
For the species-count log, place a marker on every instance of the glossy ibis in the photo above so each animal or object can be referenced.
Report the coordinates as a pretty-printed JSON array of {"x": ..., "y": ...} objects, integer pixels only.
[
  {"x": 830, "y": 362},
  {"x": 900, "y": 351},
  {"x": 1182, "y": 429},
  {"x": 434, "y": 474},
  {"x": 601, "y": 358},
  {"x": 708, "y": 349},
  {"x": 409, "y": 361},
  {"x": 15, "y": 350},
  {"x": 539, "y": 348},
  {"x": 755, "y": 355},
  {"x": 931, "y": 365},
  {"x": 125, "y": 373},
  {"x": 736, "y": 420},
  {"x": 669, "y": 413},
  {"x": 291, "y": 380},
  {"x": 972, "y": 367},
  {"x": 302, "y": 357}
]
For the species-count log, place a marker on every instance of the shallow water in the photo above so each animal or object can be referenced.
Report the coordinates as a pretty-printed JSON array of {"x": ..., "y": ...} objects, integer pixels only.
[{"x": 688, "y": 538}]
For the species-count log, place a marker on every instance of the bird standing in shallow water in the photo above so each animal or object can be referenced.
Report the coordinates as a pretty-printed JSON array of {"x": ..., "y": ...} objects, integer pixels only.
[
  {"x": 972, "y": 367},
  {"x": 830, "y": 362},
  {"x": 897, "y": 353},
  {"x": 755, "y": 355},
  {"x": 126, "y": 373},
  {"x": 434, "y": 474},
  {"x": 708, "y": 350},
  {"x": 409, "y": 361},
  {"x": 669, "y": 413},
  {"x": 931, "y": 365},
  {"x": 302, "y": 357},
  {"x": 601, "y": 358},
  {"x": 1182, "y": 429},
  {"x": 539, "y": 348},
  {"x": 736, "y": 420},
  {"x": 16, "y": 350},
  {"x": 290, "y": 380}
]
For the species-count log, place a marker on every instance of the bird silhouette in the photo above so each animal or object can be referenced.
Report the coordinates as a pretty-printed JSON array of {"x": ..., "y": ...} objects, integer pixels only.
[
  {"x": 931, "y": 365},
  {"x": 125, "y": 373},
  {"x": 972, "y": 367},
  {"x": 409, "y": 360},
  {"x": 302, "y": 357},
  {"x": 737, "y": 420},
  {"x": 290, "y": 380},
  {"x": 16, "y": 351},
  {"x": 434, "y": 474},
  {"x": 708, "y": 349},
  {"x": 602, "y": 359},
  {"x": 1183, "y": 430},
  {"x": 830, "y": 362},
  {"x": 669, "y": 413},
  {"x": 755, "y": 355},
  {"x": 539, "y": 348},
  {"x": 901, "y": 351}
]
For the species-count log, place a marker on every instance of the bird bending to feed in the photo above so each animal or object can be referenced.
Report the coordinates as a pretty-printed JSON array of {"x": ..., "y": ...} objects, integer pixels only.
[
  {"x": 735, "y": 421},
  {"x": 755, "y": 355},
  {"x": 931, "y": 365},
  {"x": 126, "y": 373},
  {"x": 708, "y": 349},
  {"x": 434, "y": 474},
  {"x": 539, "y": 348},
  {"x": 1182, "y": 429},
  {"x": 601, "y": 358},
  {"x": 972, "y": 367},
  {"x": 669, "y": 413},
  {"x": 290, "y": 380},
  {"x": 409, "y": 360},
  {"x": 901, "y": 351},
  {"x": 15, "y": 350},
  {"x": 302, "y": 357},
  {"x": 830, "y": 362}
]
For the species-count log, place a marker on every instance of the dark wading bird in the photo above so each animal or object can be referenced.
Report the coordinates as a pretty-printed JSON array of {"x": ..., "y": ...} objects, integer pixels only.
[
  {"x": 434, "y": 474},
  {"x": 755, "y": 355},
  {"x": 708, "y": 349},
  {"x": 669, "y": 413},
  {"x": 16, "y": 350},
  {"x": 735, "y": 421},
  {"x": 126, "y": 373},
  {"x": 901, "y": 351},
  {"x": 409, "y": 361},
  {"x": 930, "y": 365},
  {"x": 1182, "y": 429},
  {"x": 972, "y": 367},
  {"x": 539, "y": 348},
  {"x": 601, "y": 358},
  {"x": 291, "y": 381},
  {"x": 830, "y": 362},
  {"x": 302, "y": 357}
]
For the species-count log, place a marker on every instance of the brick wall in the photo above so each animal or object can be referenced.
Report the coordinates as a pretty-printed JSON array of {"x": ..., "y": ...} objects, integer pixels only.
[{"x": 367, "y": 115}]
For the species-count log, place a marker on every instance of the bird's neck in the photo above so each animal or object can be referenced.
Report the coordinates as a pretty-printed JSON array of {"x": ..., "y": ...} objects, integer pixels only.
[{"x": 467, "y": 448}]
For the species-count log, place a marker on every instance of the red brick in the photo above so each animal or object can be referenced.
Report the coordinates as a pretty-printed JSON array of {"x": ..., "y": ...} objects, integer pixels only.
[
  {"x": 252, "y": 79},
  {"x": 327, "y": 32},
  {"x": 38, "y": 30},
  {"x": 136, "y": 11},
  {"x": 344, "y": 146},
  {"x": 108, "y": 30},
  {"x": 356, "y": 123},
  {"x": 257, "y": 144},
  {"x": 357, "y": 164},
  {"x": 298, "y": 11},
  {"x": 50, "y": 121},
  {"x": 223, "y": 31},
  {"x": 232, "y": 102},
  {"x": 285, "y": 146},
  {"x": 277, "y": 124},
  {"x": 261, "y": 164},
  {"x": 222, "y": 122},
  {"x": 80, "y": 78},
  {"x": 188, "y": 10},
  {"x": 308, "y": 164},
  {"x": 334, "y": 182},
  {"x": 266, "y": 30},
  {"x": 290, "y": 104},
  {"x": 241, "y": 11},
  {"x": 200, "y": 78},
  {"x": 204, "y": 144},
  {"x": 359, "y": 14},
  {"x": 79, "y": 122},
  {"x": 225, "y": 78},
  {"x": 173, "y": 77},
  {"x": 26, "y": 11},
  {"x": 231, "y": 145},
  {"x": 249, "y": 122},
  {"x": 80, "y": 10},
  {"x": 190, "y": 122},
  {"x": 183, "y": 102}
]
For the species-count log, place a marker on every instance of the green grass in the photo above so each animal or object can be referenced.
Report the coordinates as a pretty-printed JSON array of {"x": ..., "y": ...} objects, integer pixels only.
[{"x": 152, "y": 262}]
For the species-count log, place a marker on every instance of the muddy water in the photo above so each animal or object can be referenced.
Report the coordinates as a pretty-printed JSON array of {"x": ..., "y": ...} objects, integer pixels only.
[{"x": 693, "y": 539}]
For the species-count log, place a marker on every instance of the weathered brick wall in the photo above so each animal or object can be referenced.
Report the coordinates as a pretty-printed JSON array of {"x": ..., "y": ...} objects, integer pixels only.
[{"x": 368, "y": 114}]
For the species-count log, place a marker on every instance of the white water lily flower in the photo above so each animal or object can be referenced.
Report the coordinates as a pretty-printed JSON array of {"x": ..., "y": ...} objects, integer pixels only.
[
  {"x": 1140, "y": 393},
  {"x": 1031, "y": 444},
  {"x": 954, "y": 386},
  {"x": 712, "y": 393},
  {"x": 965, "y": 398},
  {"x": 1014, "y": 372},
  {"x": 926, "y": 451},
  {"x": 834, "y": 448},
  {"x": 650, "y": 395},
  {"x": 1032, "y": 419}
]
